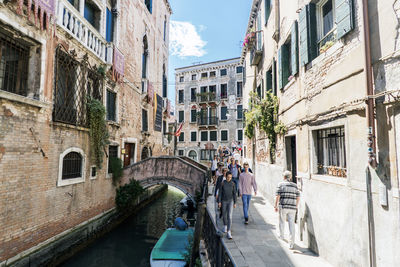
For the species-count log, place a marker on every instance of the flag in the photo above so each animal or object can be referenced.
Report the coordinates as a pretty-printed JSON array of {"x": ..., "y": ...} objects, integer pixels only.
[{"x": 178, "y": 132}]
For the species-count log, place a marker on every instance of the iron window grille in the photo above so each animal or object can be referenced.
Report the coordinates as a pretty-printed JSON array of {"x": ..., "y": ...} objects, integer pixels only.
[
  {"x": 111, "y": 106},
  {"x": 145, "y": 126},
  {"x": 224, "y": 135},
  {"x": 14, "y": 62},
  {"x": 75, "y": 81},
  {"x": 331, "y": 152},
  {"x": 112, "y": 153},
  {"x": 72, "y": 166}
]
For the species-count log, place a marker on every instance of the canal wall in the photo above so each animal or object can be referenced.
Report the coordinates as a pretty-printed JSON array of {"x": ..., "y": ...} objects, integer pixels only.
[{"x": 60, "y": 247}]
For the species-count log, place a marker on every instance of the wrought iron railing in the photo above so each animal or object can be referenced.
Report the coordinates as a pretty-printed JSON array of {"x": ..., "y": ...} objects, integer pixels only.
[{"x": 207, "y": 121}]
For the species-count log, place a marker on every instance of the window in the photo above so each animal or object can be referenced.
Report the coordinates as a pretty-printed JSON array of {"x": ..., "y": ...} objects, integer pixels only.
[
  {"x": 213, "y": 135},
  {"x": 207, "y": 154},
  {"x": 181, "y": 116},
  {"x": 194, "y": 77},
  {"x": 192, "y": 154},
  {"x": 285, "y": 68},
  {"x": 268, "y": 6},
  {"x": 193, "y": 136},
  {"x": 223, "y": 72},
  {"x": 180, "y": 96},
  {"x": 331, "y": 151},
  {"x": 212, "y": 73},
  {"x": 182, "y": 137},
  {"x": 260, "y": 92},
  {"x": 203, "y": 136},
  {"x": 239, "y": 69},
  {"x": 145, "y": 126},
  {"x": 212, "y": 89},
  {"x": 181, "y": 79},
  {"x": 203, "y": 94},
  {"x": 181, "y": 152},
  {"x": 268, "y": 82},
  {"x": 239, "y": 89},
  {"x": 326, "y": 20},
  {"x": 144, "y": 58},
  {"x": 193, "y": 115},
  {"x": 224, "y": 91},
  {"x": 204, "y": 75},
  {"x": 109, "y": 25},
  {"x": 223, "y": 113},
  {"x": 14, "y": 62},
  {"x": 71, "y": 167},
  {"x": 149, "y": 5},
  {"x": 164, "y": 127},
  {"x": 112, "y": 154},
  {"x": 111, "y": 106},
  {"x": 93, "y": 172},
  {"x": 239, "y": 111},
  {"x": 240, "y": 135},
  {"x": 224, "y": 135},
  {"x": 193, "y": 92},
  {"x": 92, "y": 14},
  {"x": 165, "y": 83}
]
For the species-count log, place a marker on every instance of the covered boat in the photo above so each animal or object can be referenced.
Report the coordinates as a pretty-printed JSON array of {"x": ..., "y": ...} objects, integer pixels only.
[{"x": 170, "y": 248}]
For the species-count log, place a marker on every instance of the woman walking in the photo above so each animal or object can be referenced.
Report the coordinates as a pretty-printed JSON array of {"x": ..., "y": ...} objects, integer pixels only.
[{"x": 227, "y": 198}]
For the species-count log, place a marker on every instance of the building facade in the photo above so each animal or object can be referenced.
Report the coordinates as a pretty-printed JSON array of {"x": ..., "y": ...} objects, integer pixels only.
[
  {"x": 209, "y": 104},
  {"x": 54, "y": 56},
  {"x": 311, "y": 56}
]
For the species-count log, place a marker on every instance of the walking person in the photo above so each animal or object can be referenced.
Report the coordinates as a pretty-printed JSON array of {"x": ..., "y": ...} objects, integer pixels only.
[
  {"x": 288, "y": 197},
  {"x": 227, "y": 201},
  {"x": 214, "y": 166},
  {"x": 217, "y": 188},
  {"x": 234, "y": 168},
  {"x": 247, "y": 182}
]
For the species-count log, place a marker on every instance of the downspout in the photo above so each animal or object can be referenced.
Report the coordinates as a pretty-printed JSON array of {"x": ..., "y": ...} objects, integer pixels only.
[
  {"x": 371, "y": 139},
  {"x": 253, "y": 150}
]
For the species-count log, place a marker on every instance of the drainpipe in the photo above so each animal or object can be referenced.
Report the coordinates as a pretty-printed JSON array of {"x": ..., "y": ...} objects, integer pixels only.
[
  {"x": 371, "y": 139},
  {"x": 253, "y": 140}
]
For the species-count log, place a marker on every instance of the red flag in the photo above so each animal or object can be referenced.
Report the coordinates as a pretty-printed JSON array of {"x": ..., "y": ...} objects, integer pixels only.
[{"x": 178, "y": 132}]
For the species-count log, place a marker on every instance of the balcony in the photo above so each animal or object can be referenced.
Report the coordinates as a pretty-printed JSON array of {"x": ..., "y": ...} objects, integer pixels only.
[
  {"x": 76, "y": 25},
  {"x": 207, "y": 121},
  {"x": 256, "y": 50},
  {"x": 207, "y": 97}
]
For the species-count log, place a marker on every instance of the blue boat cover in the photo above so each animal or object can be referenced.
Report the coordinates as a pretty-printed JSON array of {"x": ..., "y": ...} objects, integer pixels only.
[{"x": 172, "y": 245}]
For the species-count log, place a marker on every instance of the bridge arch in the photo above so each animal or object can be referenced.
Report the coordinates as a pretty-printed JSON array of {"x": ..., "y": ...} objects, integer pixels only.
[{"x": 180, "y": 172}]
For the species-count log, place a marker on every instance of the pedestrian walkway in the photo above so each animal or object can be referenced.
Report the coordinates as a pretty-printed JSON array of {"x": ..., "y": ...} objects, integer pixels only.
[{"x": 257, "y": 244}]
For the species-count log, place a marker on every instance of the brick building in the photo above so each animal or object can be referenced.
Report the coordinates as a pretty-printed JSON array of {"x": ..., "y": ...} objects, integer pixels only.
[
  {"x": 310, "y": 54},
  {"x": 52, "y": 56},
  {"x": 209, "y": 103}
]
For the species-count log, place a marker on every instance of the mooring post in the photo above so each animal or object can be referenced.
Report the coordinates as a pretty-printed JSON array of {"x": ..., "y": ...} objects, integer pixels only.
[{"x": 197, "y": 232}]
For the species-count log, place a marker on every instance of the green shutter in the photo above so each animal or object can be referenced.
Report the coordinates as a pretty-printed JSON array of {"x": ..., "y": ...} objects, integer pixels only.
[
  {"x": 344, "y": 17},
  {"x": 267, "y": 10},
  {"x": 308, "y": 34},
  {"x": 285, "y": 64},
  {"x": 268, "y": 81},
  {"x": 274, "y": 77},
  {"x": 280, "y": 72},
  {"x": 294, "y": 50}
]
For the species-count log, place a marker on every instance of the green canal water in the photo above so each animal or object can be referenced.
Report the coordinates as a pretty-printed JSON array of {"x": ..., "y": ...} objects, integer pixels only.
[{"x": 131, "y": 242}]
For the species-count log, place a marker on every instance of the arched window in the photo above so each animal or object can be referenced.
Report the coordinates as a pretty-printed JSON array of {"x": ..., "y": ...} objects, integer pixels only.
[
  {"x": 71, "y": 167},
  {"x": 192, "y": 154},
  {"x": 145, "y": 153}
]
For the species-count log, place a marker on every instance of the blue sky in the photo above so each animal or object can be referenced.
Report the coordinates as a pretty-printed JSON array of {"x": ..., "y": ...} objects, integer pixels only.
[{"x": 204, "y": 31}]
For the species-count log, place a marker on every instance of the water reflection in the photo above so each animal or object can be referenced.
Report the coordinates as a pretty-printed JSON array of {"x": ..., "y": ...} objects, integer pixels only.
[{"x": 131, "y": 242}]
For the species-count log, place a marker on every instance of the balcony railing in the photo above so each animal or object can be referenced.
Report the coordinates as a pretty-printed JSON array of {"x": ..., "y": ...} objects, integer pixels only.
[
  {"x": 207, "y": 97},
  {"x": 75, "y": 24},
  {"x": 204, "y": 121},
  {"x": 256, "y": 49}
]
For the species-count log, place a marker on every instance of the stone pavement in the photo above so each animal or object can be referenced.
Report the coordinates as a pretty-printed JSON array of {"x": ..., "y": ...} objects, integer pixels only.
[{"x": 257, "y": 244}]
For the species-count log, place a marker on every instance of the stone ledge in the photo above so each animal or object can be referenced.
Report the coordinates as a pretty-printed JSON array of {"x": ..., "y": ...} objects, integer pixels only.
[{"x": 23, "y": 99}]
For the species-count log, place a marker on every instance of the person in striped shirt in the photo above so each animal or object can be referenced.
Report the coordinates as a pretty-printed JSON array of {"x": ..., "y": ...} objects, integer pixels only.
[{"x": 288, "y": 197}]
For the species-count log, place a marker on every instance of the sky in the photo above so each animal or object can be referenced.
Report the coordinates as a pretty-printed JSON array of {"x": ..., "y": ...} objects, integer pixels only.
[{"x": 202, "y": 31}]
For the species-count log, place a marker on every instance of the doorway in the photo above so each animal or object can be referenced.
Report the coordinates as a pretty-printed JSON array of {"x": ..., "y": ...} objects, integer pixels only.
[
  {"x": 129, "y": 156},
  {"x": 291, "y": 158}
]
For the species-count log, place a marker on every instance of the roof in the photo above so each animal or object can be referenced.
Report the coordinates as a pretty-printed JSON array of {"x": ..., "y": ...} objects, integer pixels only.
[
  {"x": 171, "y": 245},
  {"x": 237, "y": 59},
  {"x": 252, "y": 17}
]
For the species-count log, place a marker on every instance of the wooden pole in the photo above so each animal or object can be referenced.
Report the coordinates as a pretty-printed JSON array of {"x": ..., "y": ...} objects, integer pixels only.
[{"x": 197, "y": 232}]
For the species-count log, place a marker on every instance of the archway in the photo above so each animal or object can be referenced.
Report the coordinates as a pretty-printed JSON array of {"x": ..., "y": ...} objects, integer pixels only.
[{"x": 193, "y": 155}]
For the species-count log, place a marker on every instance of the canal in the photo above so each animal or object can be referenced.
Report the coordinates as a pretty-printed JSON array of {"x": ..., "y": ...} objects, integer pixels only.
[{"x": 131, "y": 242}]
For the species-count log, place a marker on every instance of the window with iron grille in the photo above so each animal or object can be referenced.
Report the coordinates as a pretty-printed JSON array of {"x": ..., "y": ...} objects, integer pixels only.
[
  {"x": 223, "y": 72},
  {"x": 193, "y": 115},
  {"x": 239, "y": 89},
  {"x": 213, "y": 135},
  {"x": 14, "y": 62},
  {"x": 182, "y": 137},
  {"x": 111, "y": 106},
  {"x": 145, "y": 125},
  {"x": 74, "y": 82},
  {"x": 224, "y": 135},
  {"x": 193, "y": 136},
  {"x": 331, "y": 151},
  {"x": 72, "y": 166},
  {"x": 224, "y": 90},
  {"x": 204, "y": 136},
  {"x": 112, "y": 153}
]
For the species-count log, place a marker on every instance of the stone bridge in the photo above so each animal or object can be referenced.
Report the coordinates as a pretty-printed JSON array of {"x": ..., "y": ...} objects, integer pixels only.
[{"x": 183, "y": 173}]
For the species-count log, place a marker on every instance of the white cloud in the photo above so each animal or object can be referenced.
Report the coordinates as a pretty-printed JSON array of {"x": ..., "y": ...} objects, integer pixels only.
[{"x": 185, "y": 40}]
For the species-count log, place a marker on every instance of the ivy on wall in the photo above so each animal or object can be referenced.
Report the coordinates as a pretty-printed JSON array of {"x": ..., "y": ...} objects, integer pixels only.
[{"x": 263, "y": 113}]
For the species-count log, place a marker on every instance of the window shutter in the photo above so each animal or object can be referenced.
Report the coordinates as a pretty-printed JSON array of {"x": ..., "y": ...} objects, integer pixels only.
[
  {"x": 294, "y": 50},
  {"x": 344, "y": 17},
  {"x": 285, "y": 54},
  {"x": 308, "y": 34},
  {"x": 274, "y": 77},
  {"x": 267, "y": 10},
  {"x": 280, "y": 72}
]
